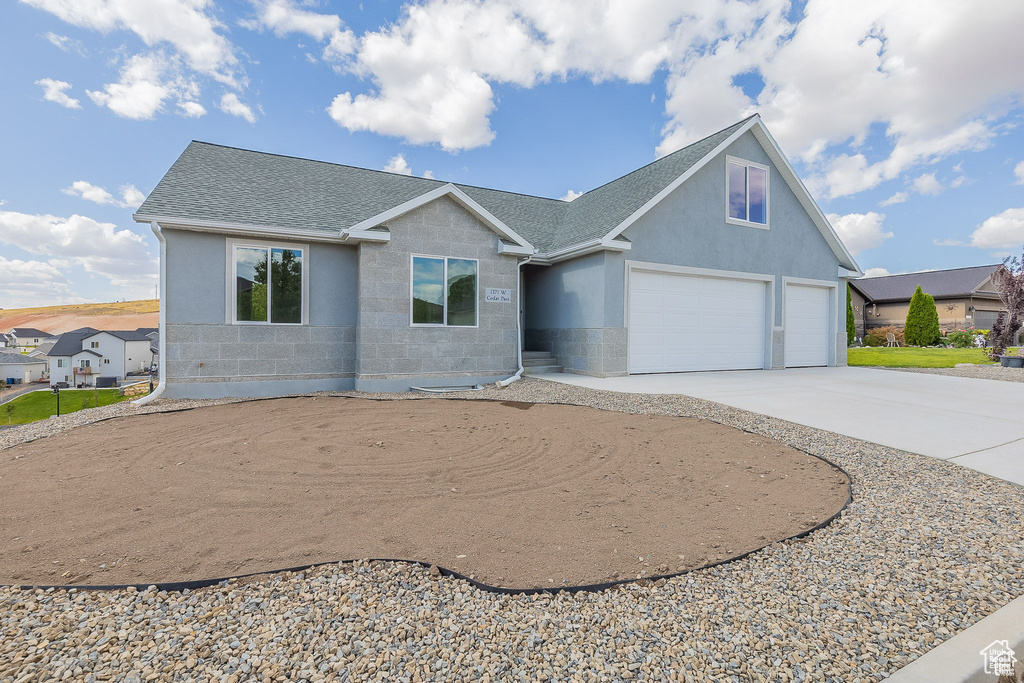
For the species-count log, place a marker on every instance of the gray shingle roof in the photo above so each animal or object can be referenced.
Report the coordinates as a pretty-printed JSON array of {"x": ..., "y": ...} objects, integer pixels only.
[
  {"x": 28, "y": 332},
  {"x": 215, "y": 183},
  {"x": 939, "y": 283},
  {"x": 126, "y": 335},
  {"x": 70, "y": 343},
  {"x": 18, "y": 359}
]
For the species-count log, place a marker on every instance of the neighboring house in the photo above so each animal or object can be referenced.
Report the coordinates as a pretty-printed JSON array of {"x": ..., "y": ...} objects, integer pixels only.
[
  {"x": 15, "y": 367},
  {"x": 122, "y": 351},
  {"x": 282, "y": 275},
  {"x": 964, "y": 297},
  {"x": 43, "y": 349},
  {"x": 25, "y": 337},
  {"x": 63, "y": 353},
  {"x": 6, "y": 341}
]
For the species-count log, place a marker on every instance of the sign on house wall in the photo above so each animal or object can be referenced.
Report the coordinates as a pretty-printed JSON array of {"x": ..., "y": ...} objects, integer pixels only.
[{"x": 500, "y": 296}]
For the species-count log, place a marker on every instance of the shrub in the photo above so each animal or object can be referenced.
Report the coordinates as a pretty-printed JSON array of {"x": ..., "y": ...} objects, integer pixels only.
[
  {"x": 851, "y": 322},
  {"x": 922, "y": 328},
  {"x": 960, "y": 339},
  {"x": 876, "y": 335}
]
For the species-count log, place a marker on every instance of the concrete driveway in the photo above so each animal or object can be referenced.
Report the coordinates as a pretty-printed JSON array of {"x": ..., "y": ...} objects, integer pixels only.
[{"x": 974, "y": 422}]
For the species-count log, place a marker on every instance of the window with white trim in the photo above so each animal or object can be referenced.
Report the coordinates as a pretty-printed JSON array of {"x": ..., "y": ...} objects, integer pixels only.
[
  {"x": 269, "y": 284},
  {"x": 746, "y": 192},
  {"x": 94, "y": 345},
  {"x": 444, "y": 291}
]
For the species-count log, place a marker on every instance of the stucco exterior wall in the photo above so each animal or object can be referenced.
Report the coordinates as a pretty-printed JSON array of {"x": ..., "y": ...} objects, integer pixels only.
[
  {"x": 395, "y": 355},
  {"x": 584, "y": 298},
  {"x": 205, "y": 355}
]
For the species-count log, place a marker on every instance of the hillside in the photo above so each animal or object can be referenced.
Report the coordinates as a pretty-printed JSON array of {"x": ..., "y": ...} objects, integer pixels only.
[{"x": 120, "y": 315}]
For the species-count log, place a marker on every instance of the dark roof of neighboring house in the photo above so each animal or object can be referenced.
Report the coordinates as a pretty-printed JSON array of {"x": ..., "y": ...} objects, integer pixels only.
[
  {"x": 213, "y": 182},
  {"x": 28, "y": 332},
  {"x": 18, "y": 359},
  {"x": 147, "y": 330},
  {"x": 125, "y": 335},
  {"x": 939, "y": 283},
  {"x": 70, "y": 343}
]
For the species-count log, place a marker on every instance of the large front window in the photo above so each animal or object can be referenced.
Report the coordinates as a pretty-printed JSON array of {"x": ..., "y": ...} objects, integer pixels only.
[
  {"x": 444, "y": 291},
  {"x": 268, "y": 284},
  {"x": 747, "y": 192}
]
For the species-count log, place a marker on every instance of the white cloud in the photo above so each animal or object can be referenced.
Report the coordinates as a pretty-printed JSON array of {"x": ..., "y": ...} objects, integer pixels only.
[
  {"x": 1002, "y": 231},
  {"x": 897, "y": 198},
  {"x": 146, "y": 81},
  {"x": 89, "y": 192},
  {"x": 230, "y": 104},
  {"x": 192, "y": 110},
  {"x": 428, "y": 174},
  {"x": 570, "y": 195},
  {"x": 284, "y": 17},
  {"x": 187, "y": 25},
  {"x": 841, "y": 73},
  {"x": 1018, "y": 171},
  {"x": 32, "y": 283},
  {"x": 131, "y": 196},
  {"x": 121, "y": 256},
  {"x": 876, "y": 272},
  {"x": 398, "y": 164},
  {"x": 64, "y": 43},
  {"x": 926, "y": 183},
  {"x": 860, "y": 231},
  {"x": 53, "y": 91}
]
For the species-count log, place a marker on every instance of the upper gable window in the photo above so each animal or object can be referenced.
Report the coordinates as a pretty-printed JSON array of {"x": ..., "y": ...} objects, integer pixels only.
[{"x": 746, "y": 193}]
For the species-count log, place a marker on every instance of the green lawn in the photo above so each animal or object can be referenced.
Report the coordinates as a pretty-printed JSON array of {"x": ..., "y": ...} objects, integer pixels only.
[
  {"x": 911, "y": 357},
  {"x": 39, "y": 405}
]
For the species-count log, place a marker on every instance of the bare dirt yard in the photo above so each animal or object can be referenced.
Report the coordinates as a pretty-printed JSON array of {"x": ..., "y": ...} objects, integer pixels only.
[{"x": 513, "y": 494}]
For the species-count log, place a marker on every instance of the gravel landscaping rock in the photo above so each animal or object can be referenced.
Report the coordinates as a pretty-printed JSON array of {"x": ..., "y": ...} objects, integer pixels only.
[
  {"x": 926, "y": 549},
  {"x": 973, "y": 371}
]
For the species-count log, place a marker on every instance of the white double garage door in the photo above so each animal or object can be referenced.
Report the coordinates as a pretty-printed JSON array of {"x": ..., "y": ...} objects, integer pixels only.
[{"x": 684, "y": 322}]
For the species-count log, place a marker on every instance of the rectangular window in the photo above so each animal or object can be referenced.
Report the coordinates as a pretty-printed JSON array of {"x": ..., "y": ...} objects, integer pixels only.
[
  {"x": 106, "y": 361},
  {"x": 268, "y": 284},
  {"x": 86, "y": 363},
  {"x": 444, "y": 291},
  {"x": 94, "y": 345},
  {"x": 746, "y": 192}
]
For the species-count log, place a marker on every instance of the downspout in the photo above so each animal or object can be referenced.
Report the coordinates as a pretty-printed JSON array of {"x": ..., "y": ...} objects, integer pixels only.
[
  {"x": 519, "y": 325},
  {"x": 162, "y": 367}
]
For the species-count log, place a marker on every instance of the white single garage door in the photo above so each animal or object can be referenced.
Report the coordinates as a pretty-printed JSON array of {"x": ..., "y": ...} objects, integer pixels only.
[
  {"x": 808, "y": 310},
  {"x": 680, "y": 323}
]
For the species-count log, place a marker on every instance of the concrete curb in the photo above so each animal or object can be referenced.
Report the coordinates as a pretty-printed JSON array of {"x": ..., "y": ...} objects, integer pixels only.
[{"x": 959, "y": 659}]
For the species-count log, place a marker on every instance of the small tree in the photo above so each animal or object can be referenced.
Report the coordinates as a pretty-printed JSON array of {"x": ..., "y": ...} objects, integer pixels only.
[
  {"x": 9, "y": 409},
  {"x": 851, "y": 322},
  {"x": 922, "y": 326},
  {"x": 1009, "y": 281}
]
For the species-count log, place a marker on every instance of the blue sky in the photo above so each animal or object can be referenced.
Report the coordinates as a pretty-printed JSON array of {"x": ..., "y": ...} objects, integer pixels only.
[{"x": 904, "y": 119}]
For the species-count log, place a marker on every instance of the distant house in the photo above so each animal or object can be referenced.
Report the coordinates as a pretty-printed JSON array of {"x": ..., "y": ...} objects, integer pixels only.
[
  {"x": 43, "y": 349},
  {"x": 82, "y": 355},
  {"x": 16, "y": 368},
  {"x": 25, "y": 337},
  {"x": 964, "y": 297}
]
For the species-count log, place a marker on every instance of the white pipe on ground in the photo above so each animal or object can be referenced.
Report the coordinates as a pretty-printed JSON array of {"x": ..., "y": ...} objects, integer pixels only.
[
  {"x": 162, "y": 366},
  {"x": 519, "y": 325}
]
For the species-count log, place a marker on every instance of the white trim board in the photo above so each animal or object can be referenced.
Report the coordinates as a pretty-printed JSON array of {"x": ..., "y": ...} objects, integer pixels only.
[
  {"x": 450, "y": 190},
  {"x": 761, "y": 134}
]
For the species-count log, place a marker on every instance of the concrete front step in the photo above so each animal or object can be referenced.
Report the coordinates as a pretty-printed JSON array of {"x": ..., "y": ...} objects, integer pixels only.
[
  {"x": 540, "y": 369},
  {"x": 531, "y": 362},
  {"x": 537, "y": 354}
]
